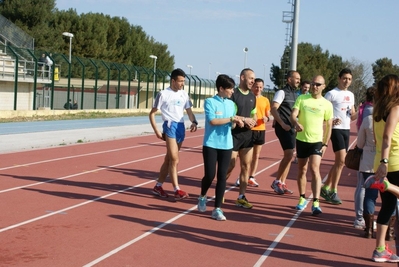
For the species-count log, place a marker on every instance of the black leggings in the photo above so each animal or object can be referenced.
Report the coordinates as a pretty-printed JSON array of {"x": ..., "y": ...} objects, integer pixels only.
[
  {"x": 222, "y": 158},
  {"x": 388, "y": 200}
]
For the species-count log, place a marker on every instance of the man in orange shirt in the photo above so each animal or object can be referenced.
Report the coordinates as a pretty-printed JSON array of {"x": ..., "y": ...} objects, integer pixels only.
[{"x": 258, "y": 131}]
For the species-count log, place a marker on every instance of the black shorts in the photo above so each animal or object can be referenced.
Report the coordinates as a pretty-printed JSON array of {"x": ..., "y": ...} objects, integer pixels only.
[
  {"x": 340, "y": 139},
  {"x": 258, "y": 137},
  {"x": 242, "y": 140},
  {"x": 286, "y": 138},
  {"x": 305, "y": 150}
]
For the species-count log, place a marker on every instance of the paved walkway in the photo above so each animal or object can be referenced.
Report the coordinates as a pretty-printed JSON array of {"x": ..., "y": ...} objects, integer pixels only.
[{"x": 22, "y": 136}]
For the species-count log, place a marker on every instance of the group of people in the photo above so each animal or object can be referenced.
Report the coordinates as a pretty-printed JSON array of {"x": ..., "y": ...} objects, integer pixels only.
[{"x": 235, "y": 120}]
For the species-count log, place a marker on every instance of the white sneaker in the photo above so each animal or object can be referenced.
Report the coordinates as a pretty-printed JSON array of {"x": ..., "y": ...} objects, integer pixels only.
[
  {"x": 238, "y": 181},
  {"x": 252, "y": 182},
  {"x": 217, "y": 214},
  {"x": 359, "y": 224}
]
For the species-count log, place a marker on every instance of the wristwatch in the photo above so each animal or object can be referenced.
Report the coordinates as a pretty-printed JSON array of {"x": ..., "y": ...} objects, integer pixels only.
[{"x": 384, "y": 160}]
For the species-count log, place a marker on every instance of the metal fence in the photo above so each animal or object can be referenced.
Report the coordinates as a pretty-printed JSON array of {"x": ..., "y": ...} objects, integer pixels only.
[{"x": 13, "y": 35}]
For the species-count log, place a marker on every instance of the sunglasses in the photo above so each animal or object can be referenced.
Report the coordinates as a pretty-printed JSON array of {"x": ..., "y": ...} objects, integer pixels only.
[{"x": 317, "y": 84}]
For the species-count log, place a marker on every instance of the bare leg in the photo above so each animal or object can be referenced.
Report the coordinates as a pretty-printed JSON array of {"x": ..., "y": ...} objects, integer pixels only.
[
  {"x": 255, "y": 159},
  {"x": 245, "y": 162},
  {"x": 285, "y": 165},
  {"x": 301, "y": 179},
  {"x": 234, "y": 155},
  {"x": 316, "y": 177}
]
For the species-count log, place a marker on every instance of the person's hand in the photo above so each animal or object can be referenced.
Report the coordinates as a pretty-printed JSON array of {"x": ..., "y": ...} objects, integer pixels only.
[
  {"x": 381, "y": 171},
  {"x": 250, "y": 122},
  {"x": 286, "y": 127},
  {"x": 336, "y": 121},
  {"x": 160, "y": 135},
  {"x": 193, "y": 127},
  {"x": 298, "y": 127}
]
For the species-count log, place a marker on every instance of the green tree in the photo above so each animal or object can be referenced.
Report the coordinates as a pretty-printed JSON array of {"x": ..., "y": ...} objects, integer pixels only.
[{"x": 382, "y": 67}]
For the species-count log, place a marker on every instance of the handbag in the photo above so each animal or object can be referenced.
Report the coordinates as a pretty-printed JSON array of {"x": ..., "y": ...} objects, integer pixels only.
[{"x": 352, "y": 158}]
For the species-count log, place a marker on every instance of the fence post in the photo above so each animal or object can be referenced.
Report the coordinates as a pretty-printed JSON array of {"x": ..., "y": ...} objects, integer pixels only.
[
  {"x": 15, "y": 78},
  {"x": 83, "y": 82},
  {"x": 108, "y": 73},
  {"x": 95, "y": 82}
]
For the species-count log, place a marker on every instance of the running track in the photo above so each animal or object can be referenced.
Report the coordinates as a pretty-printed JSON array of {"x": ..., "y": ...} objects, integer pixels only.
[{"x": 91, "y": 205}]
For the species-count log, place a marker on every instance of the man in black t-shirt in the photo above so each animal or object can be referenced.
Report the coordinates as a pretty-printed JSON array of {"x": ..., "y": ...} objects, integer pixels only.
[{"x": 245, "y": 102}]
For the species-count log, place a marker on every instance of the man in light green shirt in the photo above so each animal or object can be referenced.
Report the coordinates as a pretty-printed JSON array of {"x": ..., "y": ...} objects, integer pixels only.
[{"x": 308, "y": 115}]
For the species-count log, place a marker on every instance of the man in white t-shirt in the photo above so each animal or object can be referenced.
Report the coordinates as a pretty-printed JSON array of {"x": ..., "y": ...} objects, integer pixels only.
[
  {"x": 343, "y": 102},
  {"x": 172, "y": 102}
]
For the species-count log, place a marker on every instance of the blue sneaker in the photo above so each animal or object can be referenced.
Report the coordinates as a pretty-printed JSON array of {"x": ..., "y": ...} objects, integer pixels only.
[
  {"x": 217, "y": 214},
  {"x": 316, "y": 210},
  {"x": 201, "y": 204},
  {"x": 302, "y": 204}
]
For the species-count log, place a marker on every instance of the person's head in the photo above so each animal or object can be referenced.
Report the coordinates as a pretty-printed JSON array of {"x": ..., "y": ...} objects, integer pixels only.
[
  {"x": 43, "y": 55},
  {"x": 386, "y": 96},
  {"x": 370, "y": 94},
  {"x": 293, "y": 78},
  {"x": 344, "y": 79},
  {"x": 304, "y": 87},
  {"x": 225, "y": 85},
  {"x": 247, "y": 78},
  {"x": 177, "y": 79},
  {"x": 317, "y": 86},
  {"x": 257, "y": 88}
]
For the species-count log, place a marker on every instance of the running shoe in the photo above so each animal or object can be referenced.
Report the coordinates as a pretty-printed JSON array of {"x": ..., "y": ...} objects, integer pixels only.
[
  {"x": 334, "y": 199},
  {"x": 243, "y": 202},
  {"x": 252, "y": 182},
  {"x": 180, "y": 194},
  {"x": 277, "y": 186},
  {"x": 316, "y": 210},
  {"x": 238, "y": 181},
  {"x": 201, "y": 204},
  {"x": 218, "y": 215},
  {"x": 158, "y": 190},
  {"x": 359, "y": 224},
  {"x": 286, "y": 190},
  {"x": 385, "y": 256},
  {"x": 324, "y": 193},
  {"x": 302, "y": 203},
  {"x": 372, "y": 183}
]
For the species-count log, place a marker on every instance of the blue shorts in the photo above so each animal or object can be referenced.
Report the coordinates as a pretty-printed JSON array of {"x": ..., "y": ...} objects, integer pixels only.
[{"x": 176, "y": 131}]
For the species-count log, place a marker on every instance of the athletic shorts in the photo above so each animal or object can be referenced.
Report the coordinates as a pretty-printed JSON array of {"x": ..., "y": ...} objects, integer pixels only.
[
  {"x": 286, "y": 138},
  {"x": 305, "y": 150},
  {"x": 242, "y": 140},
  {"x": 176, "y": 131},
  {"x": 258, "y": 137},
  {"x": 340, "y": 139}
]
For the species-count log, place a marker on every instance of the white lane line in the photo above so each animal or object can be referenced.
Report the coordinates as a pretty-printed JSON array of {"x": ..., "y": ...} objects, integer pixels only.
[
  {"x": 84, "y": 203},
  {"x": 86, "y": 155},
  {"x": 86, "y": 172},
  {"x": 162, "y": 225}
]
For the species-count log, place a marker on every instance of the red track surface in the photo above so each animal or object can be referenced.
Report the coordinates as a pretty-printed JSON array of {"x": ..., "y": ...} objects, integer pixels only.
[{"x": 91, "y": 205}]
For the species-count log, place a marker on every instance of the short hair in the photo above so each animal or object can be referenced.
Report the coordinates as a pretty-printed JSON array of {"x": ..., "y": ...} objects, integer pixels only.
[
  {"x": 259, "y": 80},
  {"x": 245, "y": 70},
  {"x": 224, "y": 81},
  {"x": 176, "y": 73},
  {"x": 304, "y": 82},
  {"x": 344, "y": 71},
  {"x": 370, "y": 93},
  {"x": 290, "y": 73}
]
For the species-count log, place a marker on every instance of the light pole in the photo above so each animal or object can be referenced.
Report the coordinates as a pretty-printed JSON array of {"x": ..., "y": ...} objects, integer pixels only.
[
  {"x": 155, "y": 69},
  {"x": 190, "y": 67},
  {"x": 245, "y": 57},
  {"x": 70, "y": 35}
]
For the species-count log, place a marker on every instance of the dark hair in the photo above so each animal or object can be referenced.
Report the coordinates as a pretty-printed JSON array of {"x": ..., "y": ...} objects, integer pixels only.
[
  {"x": 290, "y": 73},
  {"x": 304, "y": 82},
  {"x": 225, "y": 82},
  {"x": 370, "y": 93},
  {"x": 344, "y": 71},
  {"x": 386, "y": 96},
  {"x": 259, "y": 80},
  {"x": 245, "y": 70},
  {"x": 177, "y": 72}
]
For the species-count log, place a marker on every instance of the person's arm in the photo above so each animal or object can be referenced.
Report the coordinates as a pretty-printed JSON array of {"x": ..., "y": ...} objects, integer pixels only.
[
  {"x": 392, "y": 121},
  {"x": 353, "y": 113},
  {"x": 294, "y": 115},
  {"x": 361, "y": 135},
  {"x": 327, "y": 135},
  {"x": 154, "y": 124},
  {"x": 194, "y": 122}
]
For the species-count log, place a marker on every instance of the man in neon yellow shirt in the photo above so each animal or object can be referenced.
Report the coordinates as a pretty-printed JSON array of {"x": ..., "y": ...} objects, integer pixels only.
[{"x": 308, "y": 115}]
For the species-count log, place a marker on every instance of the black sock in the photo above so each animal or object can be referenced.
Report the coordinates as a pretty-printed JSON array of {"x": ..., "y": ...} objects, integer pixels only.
[{"x": 302, "y": 195}]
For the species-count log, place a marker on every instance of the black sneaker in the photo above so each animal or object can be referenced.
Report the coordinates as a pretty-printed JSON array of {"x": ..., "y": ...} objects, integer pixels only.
[{"x": 334, "y": 199}]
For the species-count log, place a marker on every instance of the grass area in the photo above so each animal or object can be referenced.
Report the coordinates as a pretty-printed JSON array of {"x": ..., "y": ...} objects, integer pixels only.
[{"x": 76, "y": 116}]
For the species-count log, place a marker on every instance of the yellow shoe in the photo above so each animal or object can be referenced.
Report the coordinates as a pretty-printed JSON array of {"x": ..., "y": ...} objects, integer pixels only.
[{"x": 243, "y": 202}]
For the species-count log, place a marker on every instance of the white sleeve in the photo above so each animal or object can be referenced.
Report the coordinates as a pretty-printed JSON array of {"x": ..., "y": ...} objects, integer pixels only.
[{"x": 279, "y": 96}]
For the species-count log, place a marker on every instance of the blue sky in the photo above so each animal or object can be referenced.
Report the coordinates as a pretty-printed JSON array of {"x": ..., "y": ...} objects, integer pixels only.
[{"x": 210, "y": 35}]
